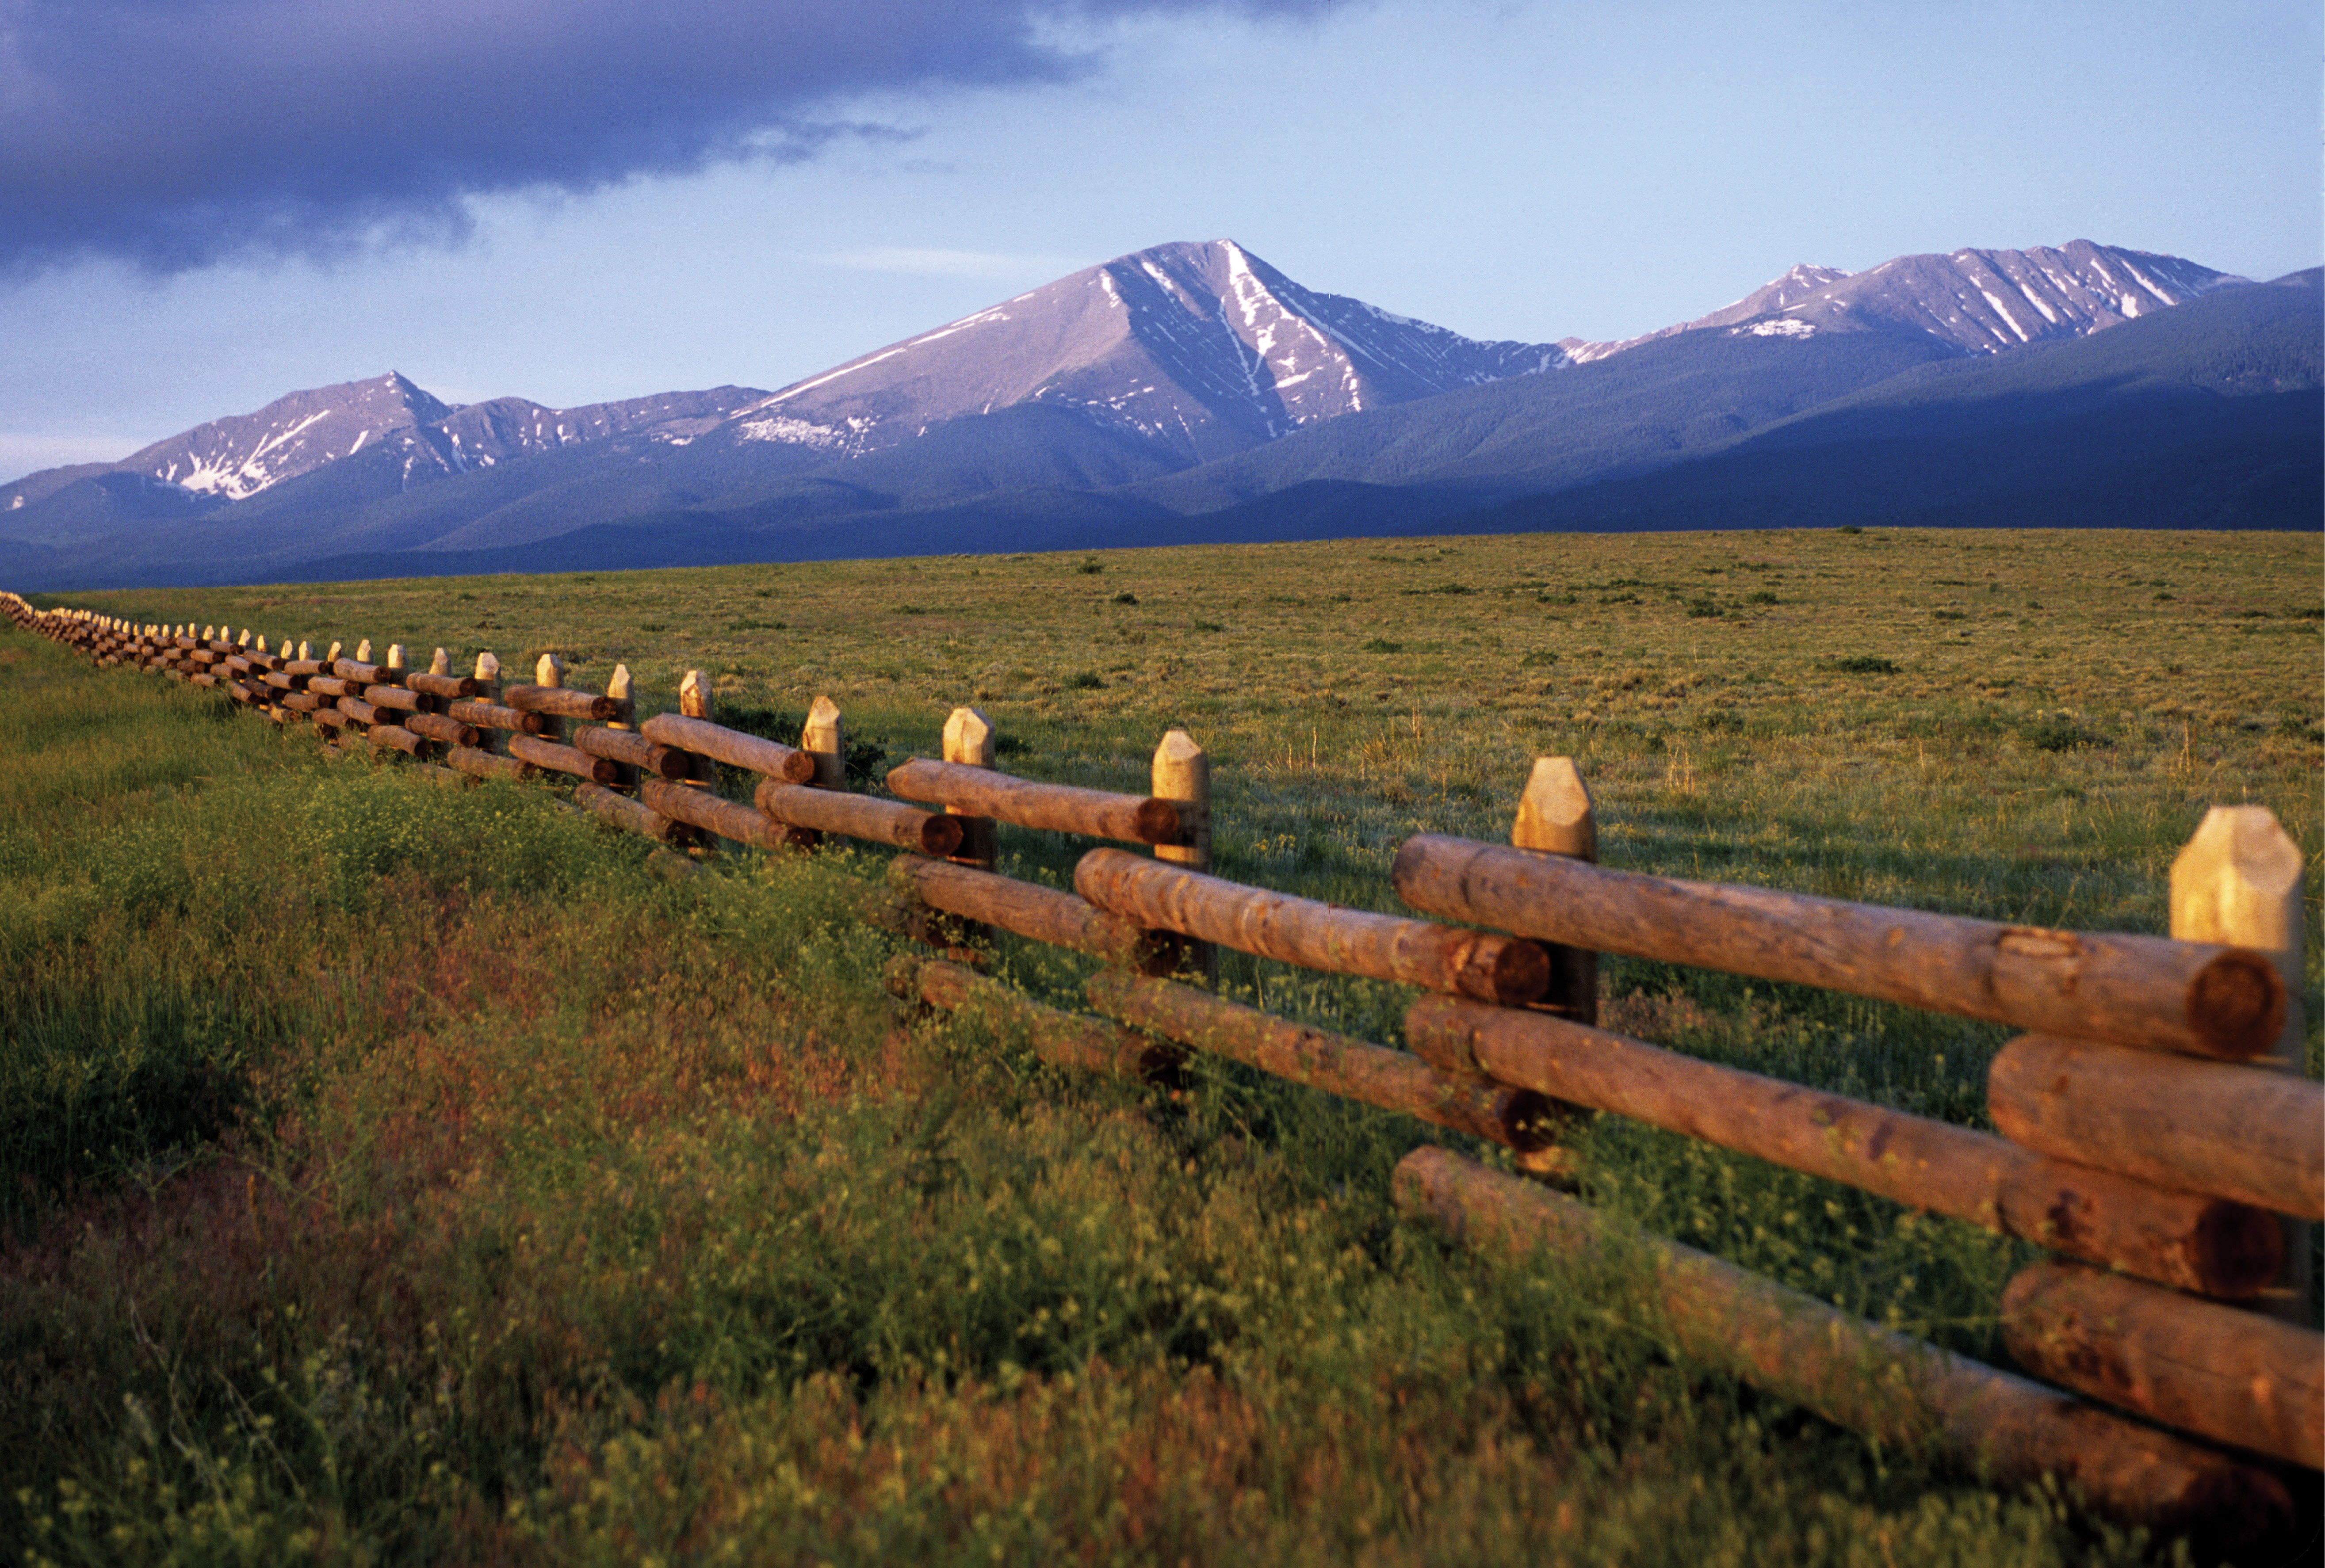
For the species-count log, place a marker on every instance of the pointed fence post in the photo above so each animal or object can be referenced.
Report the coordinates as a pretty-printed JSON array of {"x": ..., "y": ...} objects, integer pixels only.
[
  {"x": 550, "y": 670},
  {"x": 623, "y": 690},
  {"x": 825, "y": 738},
  {"x": 1181, "y": 771},
  {"x": 695, "y": 702},
  {"x": 968, "y": 739},
  {"x": 2238, "y": 881},
  {"x": 489, "y": 689},
  {"x": 1556, "y": 817}
]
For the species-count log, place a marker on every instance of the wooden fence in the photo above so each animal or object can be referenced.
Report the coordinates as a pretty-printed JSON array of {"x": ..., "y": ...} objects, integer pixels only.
[{"x": 2156, "y": 1136}]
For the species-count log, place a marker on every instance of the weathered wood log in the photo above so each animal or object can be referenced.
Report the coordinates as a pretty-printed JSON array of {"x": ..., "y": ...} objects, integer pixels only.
[
  {"x": 485, "y": 764},
  {"x": 309, "y": 667},
  {"x": 331, "y": 685},
  {"x": 626, "y": 814},
  {"x": 723, "y": 817},
  {"x": 1353, "y": 1069},
  {"x": 438, "y": 683},
  {"x": 360, "y": 671},
  {"x": 442, "y": 727},
  {"x": 2191, "y": 1241},
  {"x": 204, "y": 678},
  {"x": 360, "y": 711},
  {"x": 323, "y": 718},
  {"x": 732, "y": 747},
  {"x": 2149, "y": 991},
  {"x": 1037, "y": 913},
  {"x": 859, "y": 817},
  {"x": 396, "y": 738},
  {"x": 305, "y": 702},
  {"x": 2228, "y": 1375},
  {"x": 279, "y": 681},
  {"x": 1507, "y": 970},
  {"x": 1056, "y": 808},
  {"x": 1061, "y": 1038},
  {"x": 2238, "y": 880},
  {"x": 560, "y": 702},
  {"x": 402, "y": 698},
  {"x": 632, "y": 750},
  {"x": 485, "y": 715},
  {"x": 562, "y": 759},
  {"x": 2205, "y": 1127},
  {"x": 1886, "y": 1384}
]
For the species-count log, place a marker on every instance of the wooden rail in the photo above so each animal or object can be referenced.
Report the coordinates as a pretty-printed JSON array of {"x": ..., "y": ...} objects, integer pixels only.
[{"x": 2140, "y": 1128}]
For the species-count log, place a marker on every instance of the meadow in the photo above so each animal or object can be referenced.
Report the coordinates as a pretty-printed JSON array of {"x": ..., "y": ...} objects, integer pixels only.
[{"x": 398, "y": 1174}]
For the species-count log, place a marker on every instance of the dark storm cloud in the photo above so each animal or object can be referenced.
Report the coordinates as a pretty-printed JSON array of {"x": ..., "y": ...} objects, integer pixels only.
[{"x": 172, "y": 133}]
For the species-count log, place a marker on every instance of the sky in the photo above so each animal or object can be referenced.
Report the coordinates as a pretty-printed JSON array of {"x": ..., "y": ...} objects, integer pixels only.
[{"x": 205, "y": 203}]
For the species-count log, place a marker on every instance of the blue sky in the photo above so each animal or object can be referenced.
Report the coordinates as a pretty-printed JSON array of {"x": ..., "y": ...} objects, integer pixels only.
[{"x": 207, "y": 203}]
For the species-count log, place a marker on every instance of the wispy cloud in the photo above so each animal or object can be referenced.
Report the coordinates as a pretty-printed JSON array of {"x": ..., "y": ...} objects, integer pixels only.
[
  {"x": 174, "y": 133},
  {"x": 996, "y": 266}
]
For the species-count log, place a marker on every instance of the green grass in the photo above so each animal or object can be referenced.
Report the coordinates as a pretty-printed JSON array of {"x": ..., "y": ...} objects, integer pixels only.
[{"x": 397, "y": 1173}]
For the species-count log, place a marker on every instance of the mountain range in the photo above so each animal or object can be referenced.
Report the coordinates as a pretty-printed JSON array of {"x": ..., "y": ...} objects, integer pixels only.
[{"x": 1192, "y": 393}]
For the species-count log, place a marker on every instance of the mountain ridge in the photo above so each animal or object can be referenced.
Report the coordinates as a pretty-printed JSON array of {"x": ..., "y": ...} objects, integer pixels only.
[{"x": 1091, "y": 404}]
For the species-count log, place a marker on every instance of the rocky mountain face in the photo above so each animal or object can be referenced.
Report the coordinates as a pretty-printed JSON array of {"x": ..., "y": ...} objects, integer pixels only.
[
  {"x": 403, "y": 435},
  {"x": 1975, "y": 302},
  {"x": 1204, "y": 348},
  {"x": 1188, "y": 391}
]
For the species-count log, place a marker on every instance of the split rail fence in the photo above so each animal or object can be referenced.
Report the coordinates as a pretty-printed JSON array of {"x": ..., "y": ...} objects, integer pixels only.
[{"x": 2156, "y": 1136}]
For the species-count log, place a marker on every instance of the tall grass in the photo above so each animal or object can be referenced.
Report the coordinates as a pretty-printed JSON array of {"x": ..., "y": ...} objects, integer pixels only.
[{"x": 405, "y": 1174}]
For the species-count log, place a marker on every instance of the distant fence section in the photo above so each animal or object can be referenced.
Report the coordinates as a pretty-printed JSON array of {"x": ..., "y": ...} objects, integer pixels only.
[{"x": 2156, "y": 1134}]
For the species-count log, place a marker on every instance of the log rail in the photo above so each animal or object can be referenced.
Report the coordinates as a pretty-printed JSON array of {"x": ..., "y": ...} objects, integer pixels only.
[{"x": 2146, "y": 1134}]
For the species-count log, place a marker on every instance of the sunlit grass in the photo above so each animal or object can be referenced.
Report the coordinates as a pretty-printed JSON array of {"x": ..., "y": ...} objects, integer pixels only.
[{"x": 403, "y": 1174}]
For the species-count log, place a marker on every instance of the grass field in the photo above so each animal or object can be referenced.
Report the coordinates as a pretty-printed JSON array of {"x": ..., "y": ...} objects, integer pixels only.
[{"x": 399, "y": 1175}]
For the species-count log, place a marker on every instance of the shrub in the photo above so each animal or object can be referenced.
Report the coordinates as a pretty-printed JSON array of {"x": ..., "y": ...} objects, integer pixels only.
[
  {"x": 1865, "y": 664},
  {"x": 1703, "y": 607},
  {"x": 1125, "y": 598},
  {"x": 2055, "y": 733},
  {"x": 1084, "y": 680},
  {"x": 1539, "y": 658},
  {"x": 1209, "y": 626},
  {"x": 1382, "y": 645},
  {"x": 1761, "y": 596},
  {"x": 1091, "y": 567}
]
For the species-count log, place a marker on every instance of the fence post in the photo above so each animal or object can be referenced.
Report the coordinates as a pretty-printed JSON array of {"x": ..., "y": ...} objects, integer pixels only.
[
  {"x": 550, "y": 670},
  {"x": 623, "y": 690},
  {"x": 1555, "y": 816},
  {"x": 695, "y": 702},
  {"x": 2238, "y": 881},
  {"x": 489, "y": 689},
  {"x": 968, "y": 739},
  {"x": 825, "y": 738},
  {"x": 1181, "y": 771}
]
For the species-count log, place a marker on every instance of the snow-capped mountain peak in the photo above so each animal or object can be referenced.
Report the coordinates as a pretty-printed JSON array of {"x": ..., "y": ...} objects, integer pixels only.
[
  {"x": 1979, "y": 301},
  {"x": 1201, "y": 346}
]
